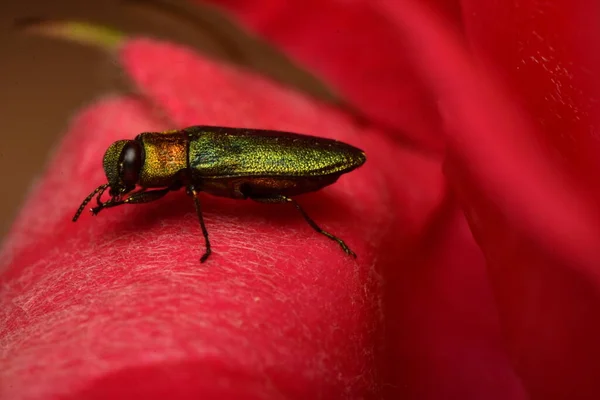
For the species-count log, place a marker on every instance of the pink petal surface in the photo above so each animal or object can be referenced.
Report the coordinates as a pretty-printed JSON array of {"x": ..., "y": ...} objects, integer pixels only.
[
  {"x": 98, "y": 307},
  {"x": 399, "y": 174}
]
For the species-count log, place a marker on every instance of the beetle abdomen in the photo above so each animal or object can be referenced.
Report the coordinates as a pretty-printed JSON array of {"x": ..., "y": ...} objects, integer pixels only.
[
  {"x": 257, "y": 186},
  {"x": 217, "y": 152}
]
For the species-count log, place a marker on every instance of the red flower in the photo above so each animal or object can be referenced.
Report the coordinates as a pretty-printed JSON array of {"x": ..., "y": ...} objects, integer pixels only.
[{"x": 499, "y": 107}]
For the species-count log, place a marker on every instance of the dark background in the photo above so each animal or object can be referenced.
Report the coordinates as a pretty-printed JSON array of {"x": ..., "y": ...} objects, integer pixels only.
[{"x": 44, "y": 81}]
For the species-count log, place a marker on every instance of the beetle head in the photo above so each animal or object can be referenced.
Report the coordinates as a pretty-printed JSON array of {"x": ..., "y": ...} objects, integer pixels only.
[{"x": 122, "y": 164}]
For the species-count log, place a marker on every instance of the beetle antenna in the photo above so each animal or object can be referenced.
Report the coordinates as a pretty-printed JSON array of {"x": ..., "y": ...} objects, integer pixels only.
[{"x": 99, "y": 190}]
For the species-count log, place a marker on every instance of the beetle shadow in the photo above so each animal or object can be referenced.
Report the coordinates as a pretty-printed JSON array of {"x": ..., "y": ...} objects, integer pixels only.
[{"x": 322, "y": 207}]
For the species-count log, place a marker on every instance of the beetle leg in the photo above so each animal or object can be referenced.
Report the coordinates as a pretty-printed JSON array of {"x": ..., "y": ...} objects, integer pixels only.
[
  {"x": 192, "y": 190},
  {"x": 141, "y": 196},
  {"x": 313, "y": 224},
  {"x": 98, "y": 191},
  {"x": 144, "y": 196}
]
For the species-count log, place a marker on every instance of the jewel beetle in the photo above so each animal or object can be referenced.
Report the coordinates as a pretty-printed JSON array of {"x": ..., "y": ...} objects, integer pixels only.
[{"x": 262, "y": 165}]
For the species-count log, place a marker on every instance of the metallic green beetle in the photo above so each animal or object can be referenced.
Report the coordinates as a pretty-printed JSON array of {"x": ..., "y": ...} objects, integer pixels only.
[{"x": 262, "y": 165}]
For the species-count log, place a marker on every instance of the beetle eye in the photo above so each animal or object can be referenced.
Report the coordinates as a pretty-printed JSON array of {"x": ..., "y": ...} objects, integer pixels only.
[{"x": 131, "y": 162}]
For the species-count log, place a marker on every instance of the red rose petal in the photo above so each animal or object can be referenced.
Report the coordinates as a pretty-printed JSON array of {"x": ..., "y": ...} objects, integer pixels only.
[
  {"x": 443, "y": 334},
  {"x": 550, "y": 71},
  {"x": 355, "y": 48},
  {"x": 536, "y": 224}
]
